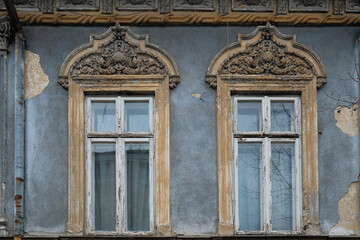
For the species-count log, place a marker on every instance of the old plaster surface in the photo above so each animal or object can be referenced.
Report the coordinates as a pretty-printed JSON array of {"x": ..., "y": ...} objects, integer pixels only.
[
  {"x": 193, "y": 124},
  {"x": 35, "y": 78},
  {"x": 348, "y": 119},
  {"x": 349, "y": 212}
]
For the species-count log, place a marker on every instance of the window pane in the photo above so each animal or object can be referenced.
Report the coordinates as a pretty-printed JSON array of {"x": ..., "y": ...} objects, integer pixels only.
[
  {"x": 249, "y": 116},
  {"x": 105, "y": 186},
  {"x": 137, "y": 161},
  {"x": 282, "y": 116},
  {"x": 137, "y": 116},
  {"x": 103, "y": 116},
  {"x": 282, "y": 159},
  {"x": 249, "y": 191}
]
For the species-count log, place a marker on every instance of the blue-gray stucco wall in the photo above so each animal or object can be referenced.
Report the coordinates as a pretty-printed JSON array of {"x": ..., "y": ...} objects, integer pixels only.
[{"x": 193, "y": 123}]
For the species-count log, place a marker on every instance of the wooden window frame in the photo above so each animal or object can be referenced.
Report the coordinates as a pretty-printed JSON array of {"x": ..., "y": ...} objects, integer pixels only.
[
  {"x": 267, "y": 62},
  {"x": 103, "y": 67},
  {"x": 120, "y": 137},
  {"x": 266, "y": 137}
]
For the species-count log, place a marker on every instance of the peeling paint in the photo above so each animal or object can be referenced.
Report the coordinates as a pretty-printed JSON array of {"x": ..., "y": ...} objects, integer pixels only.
[
  {"x": 35, "y": 78},
  {"x": 348, "y": 119},
  {"x": 349, "y": 212},
  {"x": 196, "y": 95}
]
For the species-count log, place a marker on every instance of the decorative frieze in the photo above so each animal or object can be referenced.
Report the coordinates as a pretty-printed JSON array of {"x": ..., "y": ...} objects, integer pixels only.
[
  {"x": 223, "y": 6},
  {"x": 281, "y": 6},
  {"x": 24, "y": 5},
  {"x": 309, "y": 5},
  {"x": 252, "y": 5},
  {"x": 4, "y": 33},
  {"x": 48, "y": 6},
  {"x": 136, "y": 5},
  {"x": 107, "y": 7},
  {"x": 194, "y": 5},
  {"x": 165, "y": 6},
  {"x": 78, "y": 5},
  {"x": 338, "y": 7},
  {"x": 352, "y": 6}
]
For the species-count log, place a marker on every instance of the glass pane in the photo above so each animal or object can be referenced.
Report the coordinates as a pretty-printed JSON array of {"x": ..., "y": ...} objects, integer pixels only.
[
  {"x": 137, "y": 116},
  {"x": 282, "y": 116},
  {"x": 249, "y": 191},
  {"x": 137, "y": 174},
  {"x": 249, "y": 116},
  {"x": 103, "y": 116},
  {"x": 105, "y": 186},
  {"x": 282, "y": 159}
]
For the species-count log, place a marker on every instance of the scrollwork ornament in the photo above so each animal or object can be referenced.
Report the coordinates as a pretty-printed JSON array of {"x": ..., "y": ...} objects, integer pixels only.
[{"x": 4, "y": 33}]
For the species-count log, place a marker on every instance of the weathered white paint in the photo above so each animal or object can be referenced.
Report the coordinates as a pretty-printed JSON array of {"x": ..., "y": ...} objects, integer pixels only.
[{"x": 35, "y": 78}]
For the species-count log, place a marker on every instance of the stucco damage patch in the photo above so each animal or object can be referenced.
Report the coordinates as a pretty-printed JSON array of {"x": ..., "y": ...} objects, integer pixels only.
[
  {"x": 349, "y": 212},
  {"x": 348, "y": 119},
  {"x": 35, "y": 78}
]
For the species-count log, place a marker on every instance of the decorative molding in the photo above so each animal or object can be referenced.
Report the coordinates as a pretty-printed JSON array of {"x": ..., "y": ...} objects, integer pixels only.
[
  {"x": 253, "y": 5},
  {"x": 223, "y": 6},
  {"x": 136, "y": 5},
  {"x": 4, "y": 33},
  {"x": 338, "y": 8},
  {"x": 118, "y": 51},
  {"x": 24, "y": 5},
  {"x": 352, "y": 6},
  {"x": 194, "y": 5},
  {"x": 309, "y": 5},
  {"x": 48, "y": 6},
  {"x": 78, "y": 5},
  {"x": 107, "y": 6},
  {"x": 281, "y": 7},
  {"x": 165, "y": 6},
  {"x": 267, "y": 52}
]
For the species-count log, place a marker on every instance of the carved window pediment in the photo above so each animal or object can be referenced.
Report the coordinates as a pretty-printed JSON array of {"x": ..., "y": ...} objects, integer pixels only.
[
  {"x": 266, "y": 52},
  {"x": 119, "y": 51}
]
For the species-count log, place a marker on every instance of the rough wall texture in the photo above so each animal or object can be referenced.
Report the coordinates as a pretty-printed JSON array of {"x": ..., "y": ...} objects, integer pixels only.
[{"x": 193, "y": 123}]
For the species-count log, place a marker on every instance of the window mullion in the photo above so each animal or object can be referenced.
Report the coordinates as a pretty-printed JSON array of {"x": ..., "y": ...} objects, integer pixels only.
[
  {"x": 267, "y": 185},
  {"x": 266, "y": 114},
  {"x": 121, "y": 185}
]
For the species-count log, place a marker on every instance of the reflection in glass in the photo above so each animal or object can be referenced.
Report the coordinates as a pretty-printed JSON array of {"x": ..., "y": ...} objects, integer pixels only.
[
  {"x": 103, "y": 155},
  {"x": 137, "y": 116},
  {"x": 282, "y": 116},
  {"x": 137, "y": 174},
  {"x": 103, "y": 116},
  {"x": 249, "y": 192},
  {"x": 282, "y": 159},
  {"x": 249, "y": 116}
]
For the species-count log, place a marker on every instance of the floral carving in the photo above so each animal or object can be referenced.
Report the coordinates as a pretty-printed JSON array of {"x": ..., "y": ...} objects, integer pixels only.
[
  {"x": 352, "y": 6},
  {"x": 308, "y": 5},
  {"x": 252, "y": 5},
  {"x": 266, "y": 57},
  {"x": 24, "y": 5},
  {"x": 194, "y": 5},
  {"x": 82, "y": 5},
  {"x": 119, "y": 56},
  {"x": 4, "y": 33},
  {"x": 136, "y": 5}
]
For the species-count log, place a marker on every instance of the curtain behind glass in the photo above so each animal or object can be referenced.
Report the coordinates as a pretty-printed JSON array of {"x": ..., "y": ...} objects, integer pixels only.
[
  {"x": 138, "y": 211},
  {"x": 105, "y": 186}
]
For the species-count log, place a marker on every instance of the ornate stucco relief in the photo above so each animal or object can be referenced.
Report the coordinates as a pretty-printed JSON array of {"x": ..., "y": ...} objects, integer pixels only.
[
  {"x": 107, "y": 6},
  {"x": 352, "y": 6},
  {"x": 82, "y": 5},
  {"x": 139, "y": 5},
  {"x": 4, "y": 33},
  {"x": 195, "y": 5},
  {"x": 309, "y": 5},
  {"x": 119, "y": 52},
  {"x": 24, "y": 5},
  {"x": 252, "y": 5}
]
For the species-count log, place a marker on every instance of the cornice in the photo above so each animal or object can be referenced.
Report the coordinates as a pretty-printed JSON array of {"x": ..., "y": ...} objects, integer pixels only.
[{"x": 186, "y": 12}]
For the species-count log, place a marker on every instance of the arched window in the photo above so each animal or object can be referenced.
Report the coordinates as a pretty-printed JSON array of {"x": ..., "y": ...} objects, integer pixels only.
[
  {"x": 119, "y": 167},
  {"x": 267, "y": 133}
]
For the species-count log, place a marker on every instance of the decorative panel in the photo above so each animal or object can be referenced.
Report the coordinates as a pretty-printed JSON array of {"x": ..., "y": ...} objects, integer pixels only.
[
  {"x": 252, "y": 5},
  {"x": 165, "y": 6},
  {"x": 281, "y": 7},
  {"x": 194, "y": 5},
  {"x": 352, "y": 6},
  {"x": 48, "y": 6},
  {"x": 224, "y": 6},
  {"x": 309, "y": 5},
  {"x": 24, "y": 5},
  {"x": 79, "y": 5},
  {"x": 107, "y": 6},
  {"x": 137, "y": 5},
  {"x": 338, "y": 7}
]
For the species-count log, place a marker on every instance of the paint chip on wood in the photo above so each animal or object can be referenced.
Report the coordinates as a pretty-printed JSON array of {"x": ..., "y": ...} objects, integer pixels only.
[
  {"x": 349, "y": 212},
  {"x": 348, "y": 119},
  {"x": 35, "y": 78}
]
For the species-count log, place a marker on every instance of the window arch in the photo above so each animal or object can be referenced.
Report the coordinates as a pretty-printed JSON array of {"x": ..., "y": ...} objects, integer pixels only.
[
  {"x": 118, "y": 62},
  {"x": 267, "y": 62}
]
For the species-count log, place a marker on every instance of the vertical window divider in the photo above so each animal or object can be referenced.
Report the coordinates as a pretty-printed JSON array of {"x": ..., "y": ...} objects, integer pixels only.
[
  {"x": 267, "y": 190},
  {"x": 122, "y": 207},
  {"x": 119, "y": 190},
  {"x": 236, "y": 180}
]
